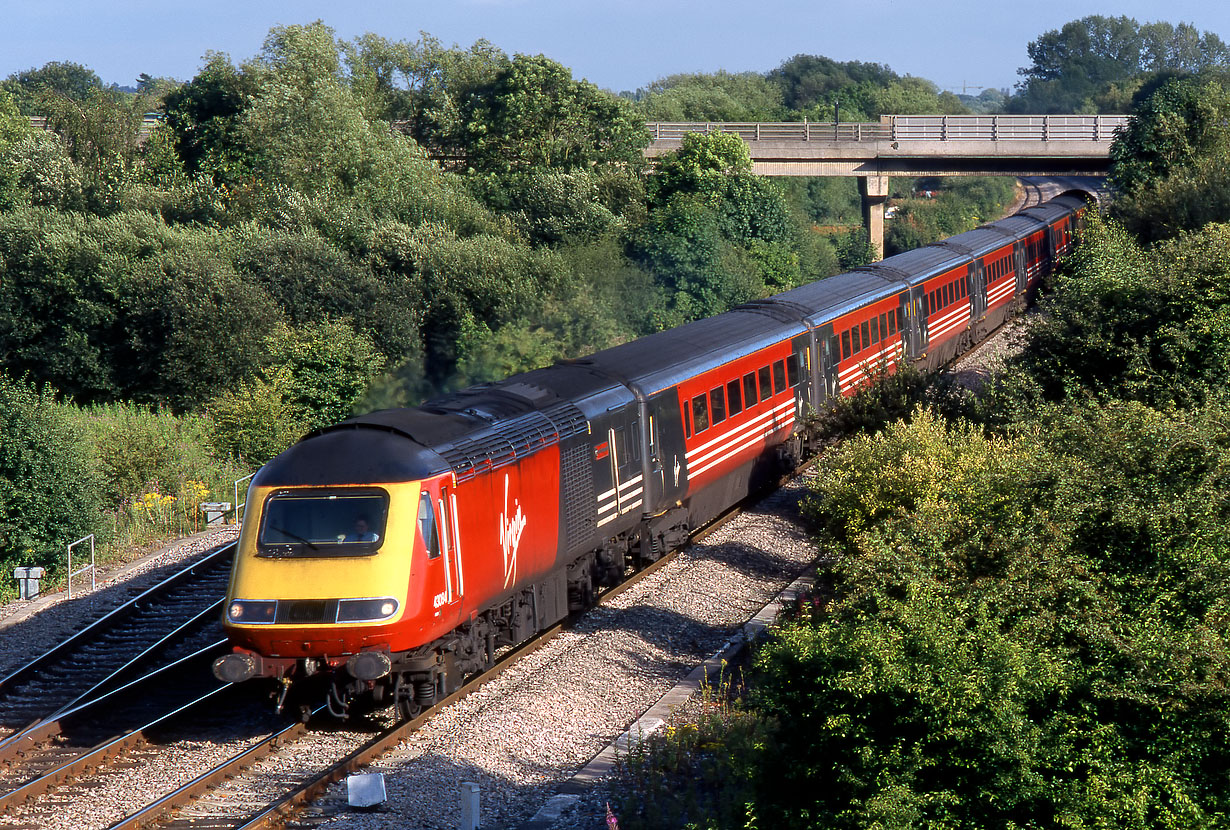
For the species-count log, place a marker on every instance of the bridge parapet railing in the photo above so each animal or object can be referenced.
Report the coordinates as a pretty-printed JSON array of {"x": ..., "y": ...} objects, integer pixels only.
[
  {"x": 773, "y": 130},
  {"x": 910, "y": 128},
  {"x": 1005, "y": 127}
]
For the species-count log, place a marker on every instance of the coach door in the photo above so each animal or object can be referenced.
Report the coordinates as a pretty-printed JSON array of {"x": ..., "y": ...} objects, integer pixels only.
[
  {"x": 454, "y": 577},
  {"x": 621, "y": 454},
  {"x": 830, "y": 355},
  {"x": 978, "y": 288},
  {"x": 916, "y": 320}
]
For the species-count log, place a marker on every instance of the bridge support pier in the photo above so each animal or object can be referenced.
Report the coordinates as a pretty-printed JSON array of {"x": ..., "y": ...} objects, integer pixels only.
[{"x": 874, "y": 190}]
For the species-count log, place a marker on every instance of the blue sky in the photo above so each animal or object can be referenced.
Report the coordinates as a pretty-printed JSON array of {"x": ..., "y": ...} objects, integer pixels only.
[{"x": 617, "y": 44}]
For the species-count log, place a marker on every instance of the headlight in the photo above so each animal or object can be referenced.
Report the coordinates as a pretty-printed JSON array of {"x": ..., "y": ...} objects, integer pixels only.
[
  {"x": 252, "y": 611},
  {"x": 366, "y": 610}
]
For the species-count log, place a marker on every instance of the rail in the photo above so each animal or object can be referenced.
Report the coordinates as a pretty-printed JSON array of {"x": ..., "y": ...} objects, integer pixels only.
[
  {"x": 149, "y": 121},
  {"x": 909, "y": 128}
]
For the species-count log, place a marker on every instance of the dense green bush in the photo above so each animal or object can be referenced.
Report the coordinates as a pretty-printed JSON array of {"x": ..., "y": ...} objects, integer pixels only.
[
  {"x": 49, "y": 490},
  {"x": 1128, "y": 323},
  {"x": 1024, "y": 630}
]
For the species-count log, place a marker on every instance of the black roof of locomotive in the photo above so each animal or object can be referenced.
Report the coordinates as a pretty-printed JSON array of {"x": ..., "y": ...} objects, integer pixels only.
[
  {"x": 488, "y": 424},
  {"x": 350, "y": 456}
]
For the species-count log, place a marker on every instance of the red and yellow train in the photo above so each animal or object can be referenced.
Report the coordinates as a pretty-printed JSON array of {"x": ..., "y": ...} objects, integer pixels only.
[{"x": 384, "y": 558}]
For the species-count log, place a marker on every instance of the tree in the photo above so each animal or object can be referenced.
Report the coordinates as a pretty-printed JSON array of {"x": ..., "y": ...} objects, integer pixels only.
[
  {"x": 535, "y": 116},
  {"x": 204, "y": 115},
  {"x": 1183, "y": 121},
  {"x": 1072, "y": 66},
  {"x": 190, "y": 326},
  {"x": 14, "y": 127},
  {"x": 717, "y": 96},
  {"x": 100, "y": 135},
  {"x": 64, "y": 79},
  {"x": 323, "y": 369},
  {"x": 809, "y": 81}
]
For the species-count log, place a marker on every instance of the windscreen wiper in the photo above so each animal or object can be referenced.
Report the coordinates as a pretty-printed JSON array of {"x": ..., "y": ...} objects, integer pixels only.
[{"x": 294, "y": 536}]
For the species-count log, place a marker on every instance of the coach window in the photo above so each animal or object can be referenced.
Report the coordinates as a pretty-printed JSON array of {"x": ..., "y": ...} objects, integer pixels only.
[
  {"x": 733, "y": 398},
  {"x": 717, "y": 403},
  {"x": 845, "y": 345},
  {"x": 875, "y": 329},
  {"x": 792, "y": 370},
  {"x": 427, "y": 527},
  {"x": 900, "y": 319},
  {"x": 947, "y": 295},
  {"x": 779, "y": 376},
  {"x": 700, "y": 413},
  {"x": 766, "y": 390},
  {"x": 749, "y": 389},
  {"x": 866, "y": 334},
  {"x": 892, "y": 322},
  {"x": 858, "y": 344}
]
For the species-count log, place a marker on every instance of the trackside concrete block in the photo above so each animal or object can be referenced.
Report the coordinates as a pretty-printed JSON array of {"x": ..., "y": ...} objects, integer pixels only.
[{"x": 27, "y": 581}]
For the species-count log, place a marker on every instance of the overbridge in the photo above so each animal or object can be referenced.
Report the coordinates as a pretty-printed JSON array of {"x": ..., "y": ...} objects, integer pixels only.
[{"x": 915, "y": 145}]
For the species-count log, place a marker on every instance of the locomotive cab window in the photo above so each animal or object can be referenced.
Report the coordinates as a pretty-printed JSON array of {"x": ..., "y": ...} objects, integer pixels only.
[
  {"x": 428, "y": 530},
  {"x": 315, "y": 523}
]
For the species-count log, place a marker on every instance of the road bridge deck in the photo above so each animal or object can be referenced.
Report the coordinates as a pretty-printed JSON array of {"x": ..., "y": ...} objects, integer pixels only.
[{"x": 915, "y": 145}]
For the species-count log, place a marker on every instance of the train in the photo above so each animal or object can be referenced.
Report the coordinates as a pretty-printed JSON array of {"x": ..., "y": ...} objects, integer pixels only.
[{"x": 385, "y": 558}]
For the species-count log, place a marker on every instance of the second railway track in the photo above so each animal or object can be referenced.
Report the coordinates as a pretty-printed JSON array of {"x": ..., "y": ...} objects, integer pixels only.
[{"x": 239, "y": 745}]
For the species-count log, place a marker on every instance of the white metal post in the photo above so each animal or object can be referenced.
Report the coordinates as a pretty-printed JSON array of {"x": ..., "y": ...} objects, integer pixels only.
[
  {"x": 239, "y": 506},
  {"x": 89, "y": 567}
]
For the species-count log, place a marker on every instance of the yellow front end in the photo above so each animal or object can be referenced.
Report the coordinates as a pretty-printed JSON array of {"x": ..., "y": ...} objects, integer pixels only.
[{"x": 296, "y": 592}]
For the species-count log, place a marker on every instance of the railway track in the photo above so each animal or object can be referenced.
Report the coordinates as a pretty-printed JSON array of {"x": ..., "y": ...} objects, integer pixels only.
[
  {"x": 99, "y": 694},
  {"x": 189, "y": 808},
  {"x": 170, "y": 620},
  {"x": 132, "y": 724}
]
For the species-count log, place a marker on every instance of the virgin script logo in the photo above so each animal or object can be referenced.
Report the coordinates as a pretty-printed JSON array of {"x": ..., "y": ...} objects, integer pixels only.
[{"x": 510, "y": 535}]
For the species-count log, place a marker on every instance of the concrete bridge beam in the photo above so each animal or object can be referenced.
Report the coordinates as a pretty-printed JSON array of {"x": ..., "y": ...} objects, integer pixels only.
[{"x": 874, "y": 190}]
